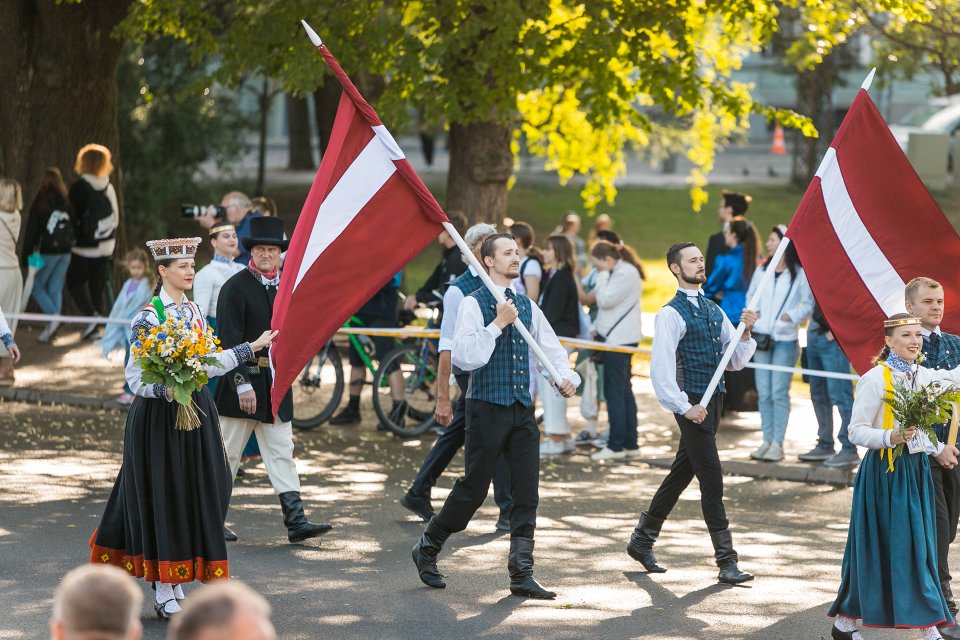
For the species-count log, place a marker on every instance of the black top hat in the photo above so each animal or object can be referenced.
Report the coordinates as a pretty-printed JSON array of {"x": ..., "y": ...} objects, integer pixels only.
[{"x": 265, "y": 230}]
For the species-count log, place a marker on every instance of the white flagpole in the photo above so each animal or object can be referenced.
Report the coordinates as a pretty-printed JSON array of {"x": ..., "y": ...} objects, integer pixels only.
[
  {"x": 482, "y": 272},
  {"x": 741, "y": 328}
]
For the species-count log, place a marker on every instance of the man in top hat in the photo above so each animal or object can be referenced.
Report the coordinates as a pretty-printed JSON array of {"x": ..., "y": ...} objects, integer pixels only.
[
  {"x": 245, "y": 308},
  {"x": 732, "y": 205}
]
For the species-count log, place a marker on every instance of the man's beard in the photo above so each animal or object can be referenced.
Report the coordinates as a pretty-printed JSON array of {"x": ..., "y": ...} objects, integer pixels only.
[{"x": 694, "y": 279}]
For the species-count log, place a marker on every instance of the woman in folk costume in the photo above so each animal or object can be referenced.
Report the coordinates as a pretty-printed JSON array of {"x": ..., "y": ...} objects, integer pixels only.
[
  {"x": 164, "y": 518},
  {"x": 889, "y": 572}
]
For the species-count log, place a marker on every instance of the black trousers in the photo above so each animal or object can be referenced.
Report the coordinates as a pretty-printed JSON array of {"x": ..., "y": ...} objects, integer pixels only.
[
  {"x": 492, "y": 430},
  {"x": 86, "y": 279},
  {"x": 446, "y": 447},
  {"x": 696, "y": 457},
  {"x": 946, "y": 493}
]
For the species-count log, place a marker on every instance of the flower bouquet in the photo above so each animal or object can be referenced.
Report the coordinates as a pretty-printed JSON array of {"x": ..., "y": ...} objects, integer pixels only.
[
  {"x": 922, "y": 407},
  {"x": 174, "y": 354}
]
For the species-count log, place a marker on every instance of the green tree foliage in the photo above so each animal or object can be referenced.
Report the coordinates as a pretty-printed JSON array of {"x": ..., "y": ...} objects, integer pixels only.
[
  {"x": 581, "y": 83},
  {"x": 171, "y": 122}
]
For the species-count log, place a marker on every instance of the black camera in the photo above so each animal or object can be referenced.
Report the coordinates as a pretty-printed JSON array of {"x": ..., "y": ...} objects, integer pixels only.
[{"x": 201, "y": 211}]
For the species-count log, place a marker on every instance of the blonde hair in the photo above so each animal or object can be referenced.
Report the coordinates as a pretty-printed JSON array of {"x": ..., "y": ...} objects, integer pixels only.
[
  {"x": 910, "y": 292},
  {"x": 94, "y": 159},
  {"x": 99, "y": 600},
  {"x": 214, "y": 608},
  {"x": 11, "y": 195}
]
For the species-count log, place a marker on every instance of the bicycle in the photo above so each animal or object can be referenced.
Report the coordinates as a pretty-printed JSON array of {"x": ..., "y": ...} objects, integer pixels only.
[{"x": 319, "y": 387}]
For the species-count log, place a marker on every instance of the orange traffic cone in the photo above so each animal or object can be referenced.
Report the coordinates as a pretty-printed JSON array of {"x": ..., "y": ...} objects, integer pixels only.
[{"x": 779, "y": 146}]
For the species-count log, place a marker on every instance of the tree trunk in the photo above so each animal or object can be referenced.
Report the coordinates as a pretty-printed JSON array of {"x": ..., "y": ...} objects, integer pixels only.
[
  {"x": 481, "y": 163},
  {"x": 265, "y": 98},
  {"x": 325, "y": 101},
  {"x": 58, "y": 84},
  {"x": 814, "y": 99},
  {"x": 298, "y": 134}
]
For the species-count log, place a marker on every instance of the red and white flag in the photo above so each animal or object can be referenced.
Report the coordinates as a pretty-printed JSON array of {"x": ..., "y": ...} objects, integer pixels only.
[
  {"x": 865, "y": 227},
  {"x": 367, "y": 215}
]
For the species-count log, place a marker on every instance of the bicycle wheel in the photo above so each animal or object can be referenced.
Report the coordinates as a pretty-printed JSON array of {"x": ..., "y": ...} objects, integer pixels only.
[
  {"x": 419, "y": 385},
  {"x": 318, "y": 389}
]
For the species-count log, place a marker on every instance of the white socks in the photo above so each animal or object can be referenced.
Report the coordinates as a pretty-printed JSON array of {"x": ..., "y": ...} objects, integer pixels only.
[
  {"x": 165, "y": 594},
  {"x": 930, "y": 633},
  {"x": 848, "y": 625},
  {"x": 178, "y": 592}
]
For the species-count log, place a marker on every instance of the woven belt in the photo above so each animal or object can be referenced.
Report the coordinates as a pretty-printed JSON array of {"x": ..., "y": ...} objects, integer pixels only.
[{"x": 263, "y": 361}]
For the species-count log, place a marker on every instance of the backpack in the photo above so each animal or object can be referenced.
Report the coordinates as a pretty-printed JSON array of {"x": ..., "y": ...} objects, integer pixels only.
[
  {"x": 90, "y": 230},
  {"x": 58, "y": 235}
]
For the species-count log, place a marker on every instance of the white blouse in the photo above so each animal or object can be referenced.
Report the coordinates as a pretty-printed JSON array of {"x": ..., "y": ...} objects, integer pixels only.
[
  {"x": 147, "y": 319},
  {"x": 208, "y": 282},
  {"x": 866, "y": 423}
]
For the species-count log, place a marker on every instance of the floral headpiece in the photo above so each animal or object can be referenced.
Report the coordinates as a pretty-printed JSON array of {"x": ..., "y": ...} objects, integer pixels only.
[
  {"x": 899, "y": 322},
  {"x": 173, "y": 248}
]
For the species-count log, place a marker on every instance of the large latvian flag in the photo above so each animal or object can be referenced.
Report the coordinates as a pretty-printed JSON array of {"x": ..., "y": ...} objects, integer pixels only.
[
  {"x": 865, "y": 227},
  {"x": 367, "y": 215}
]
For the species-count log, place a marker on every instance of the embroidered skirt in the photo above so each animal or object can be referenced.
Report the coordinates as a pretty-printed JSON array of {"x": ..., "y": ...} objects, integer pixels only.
[
  {"x": 164, "y": 518},
  {"x": 889, "y": 573}
]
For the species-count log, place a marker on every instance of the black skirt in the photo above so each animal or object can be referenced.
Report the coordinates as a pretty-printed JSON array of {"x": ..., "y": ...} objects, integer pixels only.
[{"x": 164, "y": 518}]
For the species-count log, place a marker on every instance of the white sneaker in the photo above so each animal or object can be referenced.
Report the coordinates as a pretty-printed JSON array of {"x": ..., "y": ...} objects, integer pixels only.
[
  {"x": 607, "y": 454},
  {"x": 632, "y": 454},
  {"x": 569, "y": 445},
  {"x": 774, "y": 453},
  {"x": 761, "y": 450},
  {"x": 47, "y": 334},
  {"x": 550, "y": 448},
  {"x": 600, "y": 442}
]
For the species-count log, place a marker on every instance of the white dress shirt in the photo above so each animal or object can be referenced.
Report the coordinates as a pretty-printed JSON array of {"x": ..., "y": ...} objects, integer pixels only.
[
  {"x": 210, "y": 279},
  {"x": 452, "y": 298},
  {"x": 188, "y": 311},
  {"x": 669, "y": 330},
  {"x": 473, "y": 343},
  {"x": 866, "y": 421}
]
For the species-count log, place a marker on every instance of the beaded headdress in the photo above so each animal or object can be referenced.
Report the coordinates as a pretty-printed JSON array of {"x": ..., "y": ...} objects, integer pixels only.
[
  {"x": 900, "y": 322},
  {"x": 173, "y": 248}
]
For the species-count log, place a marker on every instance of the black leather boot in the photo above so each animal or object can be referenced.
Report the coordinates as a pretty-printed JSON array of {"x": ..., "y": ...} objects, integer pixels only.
[
  {"x": 727, "y": 559},
  {"x": 425, "y": 554},
  {"x": 641, "y": 542},
  {"x": 419, "y": 505},
  {"x": 298, "y": 527},
  {"x": 228, "y": 534},
  {"x": 520, "y": 566}
]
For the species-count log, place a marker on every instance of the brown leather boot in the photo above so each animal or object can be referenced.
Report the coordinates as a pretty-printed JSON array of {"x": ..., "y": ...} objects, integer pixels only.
[{"x": 6, "y": 372}]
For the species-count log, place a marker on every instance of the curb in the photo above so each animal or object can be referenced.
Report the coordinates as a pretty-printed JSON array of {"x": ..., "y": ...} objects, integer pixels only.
[
  {"x": 36, "y": 396},
  {"x": 812, "y": 473}
]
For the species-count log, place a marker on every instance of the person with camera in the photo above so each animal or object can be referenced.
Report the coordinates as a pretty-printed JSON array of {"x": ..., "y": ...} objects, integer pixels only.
[
  {"x": 690, "y": 337},
  {"x": 618, "y": 290},
  {"x": 783, "y": 306},
  {"x": 244, "y": 309},
  {"x": 236, "y": 209}
]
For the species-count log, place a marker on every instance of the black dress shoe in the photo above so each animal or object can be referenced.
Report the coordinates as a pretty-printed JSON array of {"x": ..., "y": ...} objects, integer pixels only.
[
  {"x": 949, "y": 631},
  {"x": 229, "y": 535},
  {"x": 418, "y": 505},
  {"x": 161, "y": 609},
  {"x": 836, "y": 634}
]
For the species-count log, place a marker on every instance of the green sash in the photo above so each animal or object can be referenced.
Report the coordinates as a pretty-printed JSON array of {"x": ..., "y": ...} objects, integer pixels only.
[{"x": 158, "y": 305}]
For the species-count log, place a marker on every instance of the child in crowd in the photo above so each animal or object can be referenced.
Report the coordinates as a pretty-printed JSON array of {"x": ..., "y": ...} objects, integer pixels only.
[{"x": 135, "y": 293}]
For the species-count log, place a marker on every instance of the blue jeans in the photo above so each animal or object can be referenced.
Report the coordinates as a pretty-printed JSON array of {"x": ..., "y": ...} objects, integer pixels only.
[
  {"x": 773, "y": 388},
  {"x": 48, "y": 283},
  {"x": 826, "y": 355},
  {"x": 621, "y": 405}
]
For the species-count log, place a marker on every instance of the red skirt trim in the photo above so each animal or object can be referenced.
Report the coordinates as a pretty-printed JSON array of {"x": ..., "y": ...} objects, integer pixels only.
[{"x": 167, "y": 571}]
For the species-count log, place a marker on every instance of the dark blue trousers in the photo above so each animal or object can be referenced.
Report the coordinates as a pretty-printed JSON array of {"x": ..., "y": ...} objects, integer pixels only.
[{"x": 447, "y": 446}]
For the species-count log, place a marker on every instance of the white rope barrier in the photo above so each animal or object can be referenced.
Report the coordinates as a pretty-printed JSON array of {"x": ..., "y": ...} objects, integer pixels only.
[{"x": 417, "y": 332}]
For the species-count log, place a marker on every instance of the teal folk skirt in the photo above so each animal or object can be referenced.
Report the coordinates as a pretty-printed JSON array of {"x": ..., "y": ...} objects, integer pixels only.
[{"x": 889, "y": 573}]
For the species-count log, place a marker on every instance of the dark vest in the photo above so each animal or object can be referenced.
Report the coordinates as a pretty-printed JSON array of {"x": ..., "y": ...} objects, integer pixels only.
[
  {"x": 505, "y": 378},
  {"x": 700, "y": 349},
  {"x": 945, "y": 356},
  {"x": 468, "y": 283}
]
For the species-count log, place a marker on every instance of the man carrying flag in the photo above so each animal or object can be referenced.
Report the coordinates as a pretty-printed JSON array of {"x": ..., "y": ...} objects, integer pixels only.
[{"x": 500, "y": 418}]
